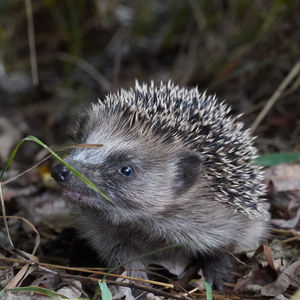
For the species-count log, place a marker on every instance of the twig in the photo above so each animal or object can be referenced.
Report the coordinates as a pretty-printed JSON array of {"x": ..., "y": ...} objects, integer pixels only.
[
  {"x": 237, "y": 259},
  {"x": 145, "y": 288},
  {"x": 31, "y": 42},
  {"x": 5, "y": 217},
  {"x": 126, "y": 284},
  {"x": 285, "y": 231},
  {"x": 51, "y": 266},
  {"x": 295, "y": 70},
  {"x": 291, "y": 239}
]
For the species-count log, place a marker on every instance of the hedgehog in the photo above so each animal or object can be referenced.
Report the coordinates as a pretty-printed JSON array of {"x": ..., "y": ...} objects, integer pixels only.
[{"x": 179, "y": 172}]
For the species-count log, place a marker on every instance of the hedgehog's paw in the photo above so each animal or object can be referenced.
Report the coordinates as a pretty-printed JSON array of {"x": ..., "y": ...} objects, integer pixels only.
[
  {"x": 216, "y": 270},
  {"x": 135, "y": 269}
]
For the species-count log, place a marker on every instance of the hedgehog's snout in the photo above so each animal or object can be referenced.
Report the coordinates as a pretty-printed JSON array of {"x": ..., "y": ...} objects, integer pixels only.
[{"x": 60, "y": 173}]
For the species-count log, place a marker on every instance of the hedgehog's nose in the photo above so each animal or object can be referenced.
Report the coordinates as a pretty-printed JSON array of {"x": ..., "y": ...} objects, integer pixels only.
[{"x": 60, "y": 172}]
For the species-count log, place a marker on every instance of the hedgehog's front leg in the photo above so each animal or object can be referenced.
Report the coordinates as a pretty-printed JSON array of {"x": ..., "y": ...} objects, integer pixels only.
[{"x": 215, "y": 269}]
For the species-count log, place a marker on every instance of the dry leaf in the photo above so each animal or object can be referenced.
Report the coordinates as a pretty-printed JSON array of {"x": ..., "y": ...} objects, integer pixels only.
[
  {"x": 288, "y": 277},
  {"x": 72, "y": 291},
  {"x": 284, "y": 177},
  {"x": 14, "y": 282}
]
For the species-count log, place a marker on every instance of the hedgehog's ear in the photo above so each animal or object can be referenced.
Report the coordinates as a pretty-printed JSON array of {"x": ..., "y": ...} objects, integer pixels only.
[{"x": 188, "y": 168}]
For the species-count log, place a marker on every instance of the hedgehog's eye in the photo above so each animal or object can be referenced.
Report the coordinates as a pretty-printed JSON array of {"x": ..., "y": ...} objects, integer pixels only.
[{"x": 126, "y": 171}]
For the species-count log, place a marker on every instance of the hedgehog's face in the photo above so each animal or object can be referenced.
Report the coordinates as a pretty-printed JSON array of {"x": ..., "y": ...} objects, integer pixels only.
[{"x": 138, "y": 174}]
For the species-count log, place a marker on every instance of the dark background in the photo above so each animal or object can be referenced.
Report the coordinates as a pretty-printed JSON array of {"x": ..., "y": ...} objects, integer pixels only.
[{"x": 240, "y": 50}]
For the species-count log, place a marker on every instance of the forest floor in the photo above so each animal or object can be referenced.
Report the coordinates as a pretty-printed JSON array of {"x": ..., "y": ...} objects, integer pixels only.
[{"x": 248, "y": 54}]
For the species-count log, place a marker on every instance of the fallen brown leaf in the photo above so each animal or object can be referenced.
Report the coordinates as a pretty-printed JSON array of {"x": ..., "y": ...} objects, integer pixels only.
[{"x": 288, "y": 277}]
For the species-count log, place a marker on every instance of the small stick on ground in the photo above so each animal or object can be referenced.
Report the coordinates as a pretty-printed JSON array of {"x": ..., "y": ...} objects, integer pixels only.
[
  {"x": 31, "y": 42},
  {"x": 295, "y": 70}
]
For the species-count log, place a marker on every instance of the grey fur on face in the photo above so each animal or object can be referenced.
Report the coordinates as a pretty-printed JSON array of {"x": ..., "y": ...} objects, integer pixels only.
[{"x": 177, "y": 168}]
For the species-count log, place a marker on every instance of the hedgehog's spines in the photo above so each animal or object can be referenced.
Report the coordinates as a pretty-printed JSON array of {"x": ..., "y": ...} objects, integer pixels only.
[{"x": 170, "y": 113}]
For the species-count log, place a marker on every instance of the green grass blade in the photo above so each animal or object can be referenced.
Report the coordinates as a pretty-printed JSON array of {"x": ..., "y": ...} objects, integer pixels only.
[
  {"x": 36, "y": 140},
  {"x": 105, "y": 292},
  {"x": 96, "y": 293},
  {"x": 34, "y": 289},
  {"x": 11, "y": 157},
  {"x": 208, "y": 291},
  {"x": 272, "y": 159}
]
